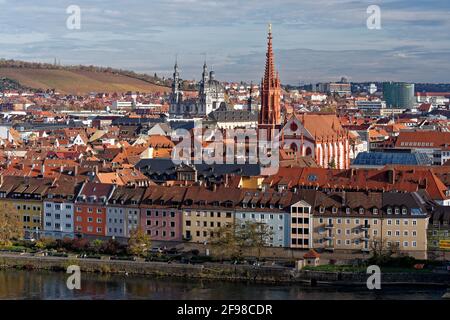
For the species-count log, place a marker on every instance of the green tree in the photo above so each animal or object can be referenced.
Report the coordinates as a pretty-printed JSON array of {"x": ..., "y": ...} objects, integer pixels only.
[
  {"x": 139, "y": 243},
  {"x": 97, "y": 245}
]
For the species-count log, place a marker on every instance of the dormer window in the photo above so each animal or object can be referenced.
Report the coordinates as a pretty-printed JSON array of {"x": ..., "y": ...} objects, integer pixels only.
[
  {"x": 389, "y": 211},
  {"x": 347, "y": 210},
  {"x": 262, "y": 205},
  {"x": 375, "y": 211},
  {"x": 404, "y": 211},
  {"x": 321, "y": 209},
  {"x": 334, "y": 210},
  {"x": 244, "y": 205},
  {"x": 397, "y": 211},
  {"x": 361, "y": 210}
]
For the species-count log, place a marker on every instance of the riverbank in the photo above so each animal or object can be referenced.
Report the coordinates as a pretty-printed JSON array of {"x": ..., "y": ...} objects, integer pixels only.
[{"x": 217, "y": 271}]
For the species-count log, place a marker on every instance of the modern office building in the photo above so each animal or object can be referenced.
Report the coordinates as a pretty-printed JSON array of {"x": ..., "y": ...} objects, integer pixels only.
[{"x": 399, "y": 95}]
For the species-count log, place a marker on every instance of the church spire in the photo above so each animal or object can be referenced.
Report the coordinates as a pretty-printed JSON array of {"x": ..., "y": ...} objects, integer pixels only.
[
  {"x": 270, "y": 114},
  {"x": 270, "y": 69}
]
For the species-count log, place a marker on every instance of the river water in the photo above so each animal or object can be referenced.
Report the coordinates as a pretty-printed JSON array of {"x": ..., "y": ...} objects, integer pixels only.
[{"x": 52, "y": 285}]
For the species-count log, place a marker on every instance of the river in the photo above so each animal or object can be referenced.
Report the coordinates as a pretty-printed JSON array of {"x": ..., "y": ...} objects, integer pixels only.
[{"x": 52, "y": 285}]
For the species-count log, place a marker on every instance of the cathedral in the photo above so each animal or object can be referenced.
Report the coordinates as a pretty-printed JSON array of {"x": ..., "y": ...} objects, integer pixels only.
[{"x": 211, "y": 96}]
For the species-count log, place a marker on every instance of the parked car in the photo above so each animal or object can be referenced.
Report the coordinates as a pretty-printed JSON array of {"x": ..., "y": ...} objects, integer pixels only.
[{"x": 156, "y": 250}]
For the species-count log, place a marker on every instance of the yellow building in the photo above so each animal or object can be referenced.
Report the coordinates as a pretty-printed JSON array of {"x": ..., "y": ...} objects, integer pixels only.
[
  {"x": 367, "y": 221},
  {"x": 26, "y": 196},
  {"x": 206, "y": 210}
]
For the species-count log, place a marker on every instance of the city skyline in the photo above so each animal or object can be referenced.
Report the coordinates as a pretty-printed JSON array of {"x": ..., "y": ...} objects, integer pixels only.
[{"x": 313, "y": 41}]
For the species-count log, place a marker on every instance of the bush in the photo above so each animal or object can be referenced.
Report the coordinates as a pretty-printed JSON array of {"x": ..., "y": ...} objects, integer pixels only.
[{"x": 393, "y": 262}]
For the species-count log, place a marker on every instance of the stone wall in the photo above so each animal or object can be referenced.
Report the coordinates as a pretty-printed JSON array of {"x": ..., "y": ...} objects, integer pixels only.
[{"x": 216, "y": 271}]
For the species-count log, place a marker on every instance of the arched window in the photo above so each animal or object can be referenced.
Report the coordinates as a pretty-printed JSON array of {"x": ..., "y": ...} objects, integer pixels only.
[
  {"x": 308, "y": 151},
  {"x": 294, "y": 147}
]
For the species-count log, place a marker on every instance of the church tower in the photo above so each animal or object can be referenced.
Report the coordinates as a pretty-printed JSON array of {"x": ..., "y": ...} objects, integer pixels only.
[
  {"x": 177, "y": 96},
  {"x": 270, "y": 113}
]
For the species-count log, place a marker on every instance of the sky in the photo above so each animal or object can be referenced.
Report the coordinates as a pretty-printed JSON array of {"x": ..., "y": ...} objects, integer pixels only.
[{"x": 314, "y": 40}]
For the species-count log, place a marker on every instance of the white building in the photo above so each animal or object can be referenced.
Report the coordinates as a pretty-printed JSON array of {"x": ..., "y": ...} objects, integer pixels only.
[{"x": 58, "y": 219}]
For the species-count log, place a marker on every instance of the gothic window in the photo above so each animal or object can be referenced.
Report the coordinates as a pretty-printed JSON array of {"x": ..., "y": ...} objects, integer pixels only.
[{"x": 294, "y": 147}]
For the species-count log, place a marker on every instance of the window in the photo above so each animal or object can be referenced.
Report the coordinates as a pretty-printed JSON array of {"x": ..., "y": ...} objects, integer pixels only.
[
  {"x": 414, "y": 244},
  {"x": 375, "y": 211},
  {"x": 347, "y": 210},
  {"x": 321, "y": 209},
  {"x": 334, "y": 210},
  {"x": 405, "y": 243},
  {"x": 404, "y": 211},
  {"x": 361, "y": 210},
  {"x": 389, "y": 211}
]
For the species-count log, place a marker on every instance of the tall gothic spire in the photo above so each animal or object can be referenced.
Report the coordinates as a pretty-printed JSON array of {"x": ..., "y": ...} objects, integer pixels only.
[
  {"x": 270, "y": 69},
  {"x": 270, "y": 114}
]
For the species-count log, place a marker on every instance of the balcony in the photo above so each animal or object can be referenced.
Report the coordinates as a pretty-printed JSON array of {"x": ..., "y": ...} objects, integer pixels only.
[
  {"x": 365, "y": 238},
  {"x": 329, "y": 238},
  {"x": 365, "y": 250},
  {"x": 365, "y": 227},
  {"x": 329, "y": 248},
  {"x": 329, "y": 226}
]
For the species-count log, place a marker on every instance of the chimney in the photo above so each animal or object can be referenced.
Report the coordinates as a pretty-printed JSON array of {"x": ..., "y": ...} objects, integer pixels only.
[
  {"x": 43, "y": 169},
  {"x": 75, "y": 171}
]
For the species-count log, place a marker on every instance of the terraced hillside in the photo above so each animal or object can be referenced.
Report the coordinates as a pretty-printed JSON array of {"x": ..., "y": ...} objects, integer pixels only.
[{"x": 77, "y": 81}]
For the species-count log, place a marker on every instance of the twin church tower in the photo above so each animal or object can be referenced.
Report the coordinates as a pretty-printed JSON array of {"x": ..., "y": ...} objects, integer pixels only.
[{"x": 211, "y": 95}]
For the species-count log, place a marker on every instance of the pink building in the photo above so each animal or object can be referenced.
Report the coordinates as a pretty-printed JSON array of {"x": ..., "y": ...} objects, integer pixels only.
[{"x": 161, "y": 218}]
